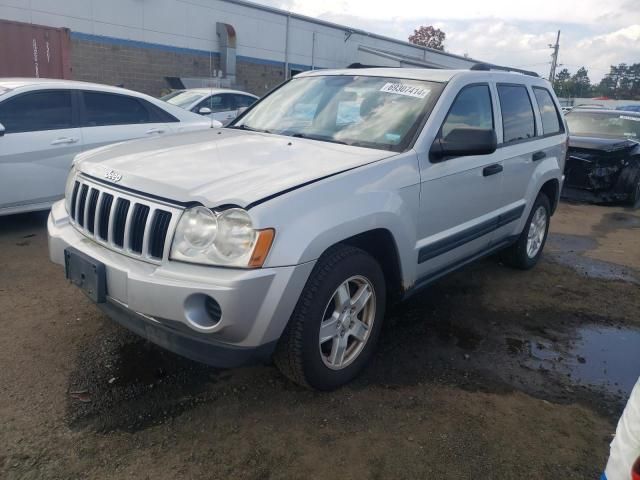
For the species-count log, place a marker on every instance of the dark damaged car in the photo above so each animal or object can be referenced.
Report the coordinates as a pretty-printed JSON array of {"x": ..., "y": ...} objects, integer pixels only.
[{"x": 603, "y": 162}]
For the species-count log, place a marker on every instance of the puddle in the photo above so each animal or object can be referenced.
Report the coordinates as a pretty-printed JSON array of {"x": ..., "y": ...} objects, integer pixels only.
[{"x": 604, "y": 357}]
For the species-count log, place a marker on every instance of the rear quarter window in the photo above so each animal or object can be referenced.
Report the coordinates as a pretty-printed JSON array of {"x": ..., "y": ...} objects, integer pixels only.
[{"x": 549, "y": 114}]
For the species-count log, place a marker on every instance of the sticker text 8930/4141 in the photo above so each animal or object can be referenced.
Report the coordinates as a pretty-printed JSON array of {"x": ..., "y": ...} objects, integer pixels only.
[{"x": 404, "y": 89}]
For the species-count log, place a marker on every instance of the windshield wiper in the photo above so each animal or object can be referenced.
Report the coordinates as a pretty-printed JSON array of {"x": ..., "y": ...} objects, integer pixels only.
[
  {"x": 248, "y": 128},
  {"x": 318, "y": 137}
]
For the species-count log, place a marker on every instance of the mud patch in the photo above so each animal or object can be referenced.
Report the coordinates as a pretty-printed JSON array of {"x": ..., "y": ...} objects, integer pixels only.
[
  {"x": 617, "y": 220},
  {"x": 559, "y": 356},
  {"x": 569, "y": 250},
  {"x": 123, "y": 382}
]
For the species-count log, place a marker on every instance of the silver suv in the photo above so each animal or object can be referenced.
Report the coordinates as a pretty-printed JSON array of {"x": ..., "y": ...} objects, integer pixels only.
[{"x": 288, "y": 233}]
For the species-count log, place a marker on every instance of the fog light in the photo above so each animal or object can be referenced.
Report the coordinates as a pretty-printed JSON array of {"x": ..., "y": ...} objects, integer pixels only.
[{"x": 202, "y": 312}]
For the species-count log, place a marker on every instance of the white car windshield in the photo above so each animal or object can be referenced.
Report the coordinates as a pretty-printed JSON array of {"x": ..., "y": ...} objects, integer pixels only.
[
  {"x": 183, "y": 99},
  {"x": 596, "y": 124},
  {"x": 373, "y": 112}
]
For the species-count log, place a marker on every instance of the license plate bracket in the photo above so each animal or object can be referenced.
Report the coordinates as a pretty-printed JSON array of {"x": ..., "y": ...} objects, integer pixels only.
[{"x": 87, "y": 274}]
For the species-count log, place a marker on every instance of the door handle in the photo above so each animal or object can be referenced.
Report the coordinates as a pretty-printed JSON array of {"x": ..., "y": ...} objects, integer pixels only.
[
  {"x": 538, "y": 156},
  {"x": 154, "y": 130},
  {"x": 492, "y": 169},
  {"x": 64, "y": 140}
]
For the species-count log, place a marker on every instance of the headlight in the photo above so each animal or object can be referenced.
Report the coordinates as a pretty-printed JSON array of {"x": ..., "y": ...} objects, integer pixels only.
[
  {"x": 68, "y": 189},
  {"x": 226, "y": 238}
]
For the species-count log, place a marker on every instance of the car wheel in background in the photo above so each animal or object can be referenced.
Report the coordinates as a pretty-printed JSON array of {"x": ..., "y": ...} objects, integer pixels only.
[
  {"x": 526, "y": 252},
  {"x": 336, "y": 323}
]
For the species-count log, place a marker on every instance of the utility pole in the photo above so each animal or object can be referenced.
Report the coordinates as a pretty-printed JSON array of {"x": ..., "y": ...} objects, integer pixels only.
[{"x": 554, "y": 59}]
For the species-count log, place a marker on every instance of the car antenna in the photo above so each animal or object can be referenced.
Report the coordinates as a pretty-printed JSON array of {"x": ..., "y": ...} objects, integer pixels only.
[{"x": 210, "y": 87}]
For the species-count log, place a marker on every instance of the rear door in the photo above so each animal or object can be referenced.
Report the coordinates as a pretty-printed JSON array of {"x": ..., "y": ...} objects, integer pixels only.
[
  {"x": 532, "y": 133},
  {"x": 41, "y": 138},
  {"x": 109, "y": 117},
  {"x": 459, "y": 196}
]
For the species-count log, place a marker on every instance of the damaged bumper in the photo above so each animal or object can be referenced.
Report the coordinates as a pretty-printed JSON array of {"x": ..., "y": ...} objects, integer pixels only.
[{"x": 602, "y": 175}]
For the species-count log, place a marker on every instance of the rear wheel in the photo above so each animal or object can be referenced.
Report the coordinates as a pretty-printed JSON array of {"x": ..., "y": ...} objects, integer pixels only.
[
  {"x": 526, "y": 252},
  {"x": 335, "y": 325}
]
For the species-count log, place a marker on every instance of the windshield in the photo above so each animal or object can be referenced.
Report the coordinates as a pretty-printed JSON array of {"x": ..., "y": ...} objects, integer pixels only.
[
  {"x": 374, "y": 112},
  {"x": 595, "y": 124},
  {"x": 183, "y": 99}
]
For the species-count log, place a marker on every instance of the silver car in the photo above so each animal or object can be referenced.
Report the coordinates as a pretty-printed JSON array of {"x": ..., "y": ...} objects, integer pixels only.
[{"x": 288, "y": 233}]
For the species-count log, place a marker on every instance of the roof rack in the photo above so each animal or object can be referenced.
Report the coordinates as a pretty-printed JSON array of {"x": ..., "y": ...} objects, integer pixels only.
[{"x": 489, "y": 66}]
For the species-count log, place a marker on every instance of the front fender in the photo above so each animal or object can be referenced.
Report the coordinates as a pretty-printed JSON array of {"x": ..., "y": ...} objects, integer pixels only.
[{"x": 309, "y": 220}]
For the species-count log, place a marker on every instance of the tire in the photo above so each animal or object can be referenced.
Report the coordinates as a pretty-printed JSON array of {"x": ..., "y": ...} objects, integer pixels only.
[
  {"x": 299, "y": 355},
  {"x": 519, "y": 255}
]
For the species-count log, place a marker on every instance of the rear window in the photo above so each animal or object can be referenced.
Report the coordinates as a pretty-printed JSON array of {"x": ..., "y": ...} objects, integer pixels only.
[
  {"x": 518, "y": 122},
  {"x": 548, "y": 112}
]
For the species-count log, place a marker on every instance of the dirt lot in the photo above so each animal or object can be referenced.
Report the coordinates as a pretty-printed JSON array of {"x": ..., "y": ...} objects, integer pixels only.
[{"x": 491, "y": 373}]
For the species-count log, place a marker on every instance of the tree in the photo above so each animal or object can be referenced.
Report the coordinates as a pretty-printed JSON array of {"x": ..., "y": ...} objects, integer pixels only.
[
  {"x": 622, "y": 82},
  {"x": 581, "y": 83},
  {"x": 429, "y": 37},
  {"x": 563, "y": 84}
]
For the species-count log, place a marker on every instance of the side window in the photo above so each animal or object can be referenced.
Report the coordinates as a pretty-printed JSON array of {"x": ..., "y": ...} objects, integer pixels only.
[
  {"x": 37, "y": 111},
  {"x": 217, "y": 103},
  {"x": 243, "y": 101},
  {"x": 548, "y": 112},
  {"x": 471, "y": 109},
  {"x": 158, "y": 114},
  {"x": 518, "y": 122},
  {"x": 112, "y": 109}
]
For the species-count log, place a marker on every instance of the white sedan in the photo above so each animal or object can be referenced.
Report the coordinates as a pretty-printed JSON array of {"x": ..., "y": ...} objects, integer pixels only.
[
  {"x": 44, "y": 123},
  {"x": 220, "y": 104}
]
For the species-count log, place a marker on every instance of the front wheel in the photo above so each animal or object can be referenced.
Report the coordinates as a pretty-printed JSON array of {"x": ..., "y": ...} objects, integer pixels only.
[
  {"x": 526, "y": 252},
  {"x": 335, "y": 325}
]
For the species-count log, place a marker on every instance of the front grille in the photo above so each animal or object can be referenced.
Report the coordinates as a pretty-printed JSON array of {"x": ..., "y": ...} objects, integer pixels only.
[{"x": 126, "y": 223}]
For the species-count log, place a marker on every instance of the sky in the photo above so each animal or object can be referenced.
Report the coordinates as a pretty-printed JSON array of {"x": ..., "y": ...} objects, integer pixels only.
[{"x": 594, "y": 33}]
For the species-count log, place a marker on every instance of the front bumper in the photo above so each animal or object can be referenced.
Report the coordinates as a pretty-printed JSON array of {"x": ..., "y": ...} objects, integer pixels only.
[{"x": 157, "y": 301}]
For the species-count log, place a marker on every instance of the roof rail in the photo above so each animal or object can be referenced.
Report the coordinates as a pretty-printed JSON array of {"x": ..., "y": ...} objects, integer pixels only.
[
  {"x": 362, "y": 65},
  {"x": 489, "y": 66}
]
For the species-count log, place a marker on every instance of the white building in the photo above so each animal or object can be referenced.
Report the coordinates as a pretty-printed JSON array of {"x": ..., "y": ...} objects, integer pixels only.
[{"x": 148, "y": 44}]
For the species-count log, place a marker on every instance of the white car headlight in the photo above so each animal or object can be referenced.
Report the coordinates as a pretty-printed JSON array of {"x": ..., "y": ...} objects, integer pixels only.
[
  {"x": 68, "y": 189},
  {"x": 226, "y": 238}
]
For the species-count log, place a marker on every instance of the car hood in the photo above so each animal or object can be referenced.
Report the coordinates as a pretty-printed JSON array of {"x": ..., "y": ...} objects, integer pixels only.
[
  {"x": 222, "y": 166},
  {"x": 602, "y": 144}
]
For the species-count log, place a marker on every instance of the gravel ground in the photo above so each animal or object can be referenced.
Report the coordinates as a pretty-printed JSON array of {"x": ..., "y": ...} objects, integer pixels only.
[{"x": 490, "y": 373}]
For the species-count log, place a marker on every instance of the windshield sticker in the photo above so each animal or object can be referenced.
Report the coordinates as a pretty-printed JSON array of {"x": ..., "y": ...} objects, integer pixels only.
[
  {"x": 403, "y": 89},
  {"x": 628, "y": 117}
]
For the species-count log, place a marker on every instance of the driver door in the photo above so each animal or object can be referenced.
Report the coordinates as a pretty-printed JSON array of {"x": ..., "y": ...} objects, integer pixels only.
[{"x": 459, "y": 196}]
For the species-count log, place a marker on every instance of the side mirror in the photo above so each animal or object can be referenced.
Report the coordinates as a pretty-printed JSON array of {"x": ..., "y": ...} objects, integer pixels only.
[
  {"x": 216, "y": 124},
  {"x": 2, "y": 130},
  {"x": 204, "y": 111},
  {"x": 463, "y": 142}
]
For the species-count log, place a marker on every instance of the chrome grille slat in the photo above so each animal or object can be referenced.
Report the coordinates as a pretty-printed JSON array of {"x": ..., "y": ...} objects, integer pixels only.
[
  {"x": 129, "y": 224},
  {"x": 96, "y": 218},
  {"x": 147, "y": 231}
]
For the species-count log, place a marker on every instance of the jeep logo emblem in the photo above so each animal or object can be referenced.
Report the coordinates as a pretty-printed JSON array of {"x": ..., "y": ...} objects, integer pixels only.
[{"x": 112, "y": 175}]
